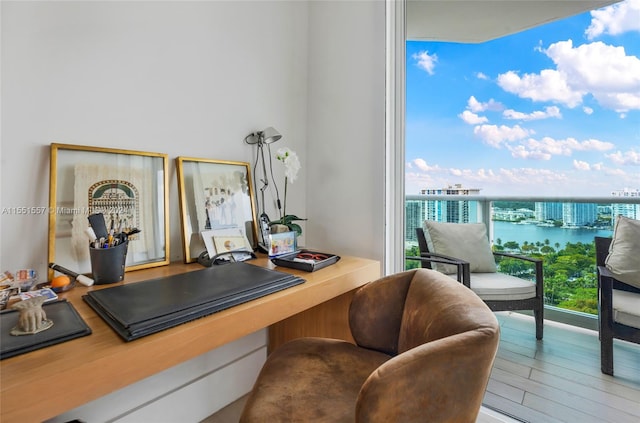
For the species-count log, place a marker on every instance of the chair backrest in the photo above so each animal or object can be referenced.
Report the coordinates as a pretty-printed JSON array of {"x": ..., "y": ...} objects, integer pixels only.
[
  {"x": 407, "y": 309},
  {"x": 602, "y": 251},
  {"x": 446, "y": 341},
  {"x": 422, "y": 241}
]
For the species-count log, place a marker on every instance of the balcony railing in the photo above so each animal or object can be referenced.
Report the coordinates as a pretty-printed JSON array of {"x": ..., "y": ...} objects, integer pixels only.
[{"x": 563, "y": 240}]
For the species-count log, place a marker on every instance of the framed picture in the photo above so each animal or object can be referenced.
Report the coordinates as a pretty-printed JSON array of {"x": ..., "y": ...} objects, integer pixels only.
[
  {"x": 129, "y": 188},
  {"x": 214, "y": 194}
]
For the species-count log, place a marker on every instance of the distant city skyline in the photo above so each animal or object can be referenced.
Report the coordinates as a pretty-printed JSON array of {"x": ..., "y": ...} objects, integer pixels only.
[{"x": 552, "y": 111}]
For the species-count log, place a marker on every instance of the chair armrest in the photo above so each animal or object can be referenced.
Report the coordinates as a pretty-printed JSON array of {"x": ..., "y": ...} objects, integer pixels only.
[
  {"x": 603, "y": 272},
  {"x": 447, "y": 375},
  {"x": 538, "y": 268},
  {"x": 463, "y": 273}
]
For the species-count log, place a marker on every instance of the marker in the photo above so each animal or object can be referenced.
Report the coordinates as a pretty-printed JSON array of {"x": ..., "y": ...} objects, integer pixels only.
[{"x": 80, "y": 278}]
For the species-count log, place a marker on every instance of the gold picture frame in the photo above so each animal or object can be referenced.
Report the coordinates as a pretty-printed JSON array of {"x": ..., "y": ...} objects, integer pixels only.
[
  {"x": 214, "y": 194},
  {"x": 130, "y": 188}
]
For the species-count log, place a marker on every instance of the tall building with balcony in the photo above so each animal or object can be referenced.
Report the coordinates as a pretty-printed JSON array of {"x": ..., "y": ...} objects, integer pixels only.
[
  {"x": 548, "y": 211},
  {"x": 414, "y": 216},
  {"x": 632, "y": 211},
  {"x": 454, "y": 211},
  {"x": 579, "y": 214}
]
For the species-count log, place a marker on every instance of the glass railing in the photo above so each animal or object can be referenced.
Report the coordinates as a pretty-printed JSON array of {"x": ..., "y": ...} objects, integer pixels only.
[{"x": 561, "y": 231}]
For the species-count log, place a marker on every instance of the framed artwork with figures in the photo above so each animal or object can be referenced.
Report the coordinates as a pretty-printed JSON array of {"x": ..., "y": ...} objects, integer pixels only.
[
  {"x": 214, "y": 195},
  {"x": 129, "y": 188}
]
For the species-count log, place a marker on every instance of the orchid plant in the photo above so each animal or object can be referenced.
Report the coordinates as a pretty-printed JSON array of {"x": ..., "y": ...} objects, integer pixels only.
[{"x": 291, "y": 167}]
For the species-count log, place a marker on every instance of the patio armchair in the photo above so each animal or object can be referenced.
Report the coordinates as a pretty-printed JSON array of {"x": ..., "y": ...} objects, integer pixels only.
[
  {"x": 618, "y": 270},
  {"x": 462, "y": 251}
]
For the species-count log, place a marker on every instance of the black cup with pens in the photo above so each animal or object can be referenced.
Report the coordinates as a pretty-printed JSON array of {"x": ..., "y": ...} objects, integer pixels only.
[
  {"x": 107, "y": 251},
  {"x": 108, "y": 263}
]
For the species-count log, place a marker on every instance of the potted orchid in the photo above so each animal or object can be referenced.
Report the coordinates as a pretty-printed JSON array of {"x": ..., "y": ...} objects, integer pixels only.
[{"x": 291, "y": 168}]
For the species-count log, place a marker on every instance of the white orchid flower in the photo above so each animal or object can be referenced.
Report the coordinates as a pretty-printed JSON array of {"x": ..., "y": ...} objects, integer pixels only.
[{"x": 291, "y": 163}]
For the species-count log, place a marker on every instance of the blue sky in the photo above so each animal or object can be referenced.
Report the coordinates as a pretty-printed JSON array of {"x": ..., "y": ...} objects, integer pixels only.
[{"x": 551, "y": 111}]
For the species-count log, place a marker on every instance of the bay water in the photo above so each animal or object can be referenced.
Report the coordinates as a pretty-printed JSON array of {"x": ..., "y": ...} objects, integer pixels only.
[{"x": 532, "y": 233}]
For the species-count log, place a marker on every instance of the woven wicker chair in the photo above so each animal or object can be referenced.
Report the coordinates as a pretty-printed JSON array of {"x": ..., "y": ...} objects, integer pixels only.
[
  {"x": 501, "y": 292},
  {"x": 618, "y": 308}
]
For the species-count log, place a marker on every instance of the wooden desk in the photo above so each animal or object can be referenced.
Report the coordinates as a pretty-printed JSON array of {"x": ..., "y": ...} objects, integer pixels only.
[{"x": 43, "y": 384}]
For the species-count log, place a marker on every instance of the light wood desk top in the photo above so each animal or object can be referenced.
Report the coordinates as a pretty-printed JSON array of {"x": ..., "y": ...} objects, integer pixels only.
[{"x": 45, "y": 383}]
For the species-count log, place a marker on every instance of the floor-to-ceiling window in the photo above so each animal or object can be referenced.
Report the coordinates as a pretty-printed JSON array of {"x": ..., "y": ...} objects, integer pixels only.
[{"x": 550, "y": 114}]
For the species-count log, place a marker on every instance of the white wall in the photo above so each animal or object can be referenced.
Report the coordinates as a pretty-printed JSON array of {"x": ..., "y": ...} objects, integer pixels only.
[
  {"x": 182, "y": 78},
  {"x": 193, "y": 79},
  {"x": 346, "y": 127}
]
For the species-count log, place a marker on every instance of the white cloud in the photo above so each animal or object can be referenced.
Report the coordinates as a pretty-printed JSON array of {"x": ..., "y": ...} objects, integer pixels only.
[
  {"x": 587, "y": 110},
  {"x": 580, "y": 165},
  {"x": 584, "y": 179},
  {"x": 422, "y": 165},
  {"x": 425, "y": 61},
  {"x": 495, "y": 136},
  {"x": 547, "y": 147},
  {"x": 521, "y": 152},
  {"x": 472, "y": 118},
  {"x": 482, "y": 76},
  {"x": 630, "y": 157},
  {"x": 475, "y": 106},
  {"x": 549, "y": 85},
  {"x": 605, "y": 71},
  {"x": 549, "y": 112},
  {"x": 614, "y": 20}
]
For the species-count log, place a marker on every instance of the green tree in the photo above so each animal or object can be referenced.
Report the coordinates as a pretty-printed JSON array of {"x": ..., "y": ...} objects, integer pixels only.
[
  {"x": 512, "y": 245},
  {"x": 412, "y": 252}
]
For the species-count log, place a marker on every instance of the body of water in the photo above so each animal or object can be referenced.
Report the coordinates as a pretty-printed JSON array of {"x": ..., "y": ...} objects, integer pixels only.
[{"x": 507, "y": 231}]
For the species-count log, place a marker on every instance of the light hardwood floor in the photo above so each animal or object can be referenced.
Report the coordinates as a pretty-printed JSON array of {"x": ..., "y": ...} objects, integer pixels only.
[
  {"x": 554, "y": 380},
  {"x": 558, "y": 379}
]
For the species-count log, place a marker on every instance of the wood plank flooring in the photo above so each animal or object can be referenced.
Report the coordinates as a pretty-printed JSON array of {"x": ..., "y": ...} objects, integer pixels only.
[
  {"x": 558, "y": 379},
  {"x": 554, "y": 380}
]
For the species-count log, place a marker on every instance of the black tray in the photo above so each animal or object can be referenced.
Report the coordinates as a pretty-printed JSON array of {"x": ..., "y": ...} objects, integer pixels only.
[
  {"x": 67, "y": 325},
  {"x": 289, "y": 260}
]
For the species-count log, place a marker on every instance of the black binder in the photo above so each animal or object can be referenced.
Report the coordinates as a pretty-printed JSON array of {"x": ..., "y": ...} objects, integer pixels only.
[
  {"x": 147, "y": 307},
  {"x": 67, "y": 325}
]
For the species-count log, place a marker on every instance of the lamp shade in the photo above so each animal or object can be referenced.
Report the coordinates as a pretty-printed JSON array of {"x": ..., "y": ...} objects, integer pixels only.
[
  {"x": 266, "y": 136},
  {"x": 270, "y": 135}
]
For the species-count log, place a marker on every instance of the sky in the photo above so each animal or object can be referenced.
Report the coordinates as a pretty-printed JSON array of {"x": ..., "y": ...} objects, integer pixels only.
[{"x": 551, "y": 111}]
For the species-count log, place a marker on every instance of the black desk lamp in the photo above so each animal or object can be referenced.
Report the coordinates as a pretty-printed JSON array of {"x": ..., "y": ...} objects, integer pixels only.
[{"x": 262, "y": 138}]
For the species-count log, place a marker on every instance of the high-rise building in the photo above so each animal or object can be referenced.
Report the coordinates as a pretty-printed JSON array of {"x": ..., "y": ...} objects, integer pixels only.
[
  {"x": 579, "y": 214},
  {"x": 454, "y": 211},
  {"x": 548, "y": 211},
  {"x": 632, "y": 211},
  {"x": 414, "y": 216}
]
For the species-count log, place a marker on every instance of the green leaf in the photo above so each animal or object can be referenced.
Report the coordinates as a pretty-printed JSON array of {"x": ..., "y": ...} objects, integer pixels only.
[{"x": 288, "y": 222}]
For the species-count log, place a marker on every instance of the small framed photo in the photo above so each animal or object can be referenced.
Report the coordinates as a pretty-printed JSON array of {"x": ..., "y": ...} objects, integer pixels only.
[
  {"x": 219, "y": 241},
  {"x": 282, "y": 243},
  {"x": 214, "y": 195},
  {"x": 130, "y": 189}
]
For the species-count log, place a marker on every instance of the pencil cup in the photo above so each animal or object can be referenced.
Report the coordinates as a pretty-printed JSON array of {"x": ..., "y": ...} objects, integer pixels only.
[{"x": 107, "y": 264}]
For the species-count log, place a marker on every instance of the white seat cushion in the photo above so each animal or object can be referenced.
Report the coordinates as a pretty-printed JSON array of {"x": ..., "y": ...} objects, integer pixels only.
[
  {"x": 501, "y": 287},
  {"x": 626, "y": 308}
]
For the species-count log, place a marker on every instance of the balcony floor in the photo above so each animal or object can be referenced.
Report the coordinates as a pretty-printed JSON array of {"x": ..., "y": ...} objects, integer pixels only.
[{"x": 558, "y": 379}]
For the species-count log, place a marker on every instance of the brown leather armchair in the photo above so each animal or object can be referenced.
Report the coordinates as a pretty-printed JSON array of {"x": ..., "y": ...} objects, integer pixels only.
[{"x": 425, "y": 346}]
